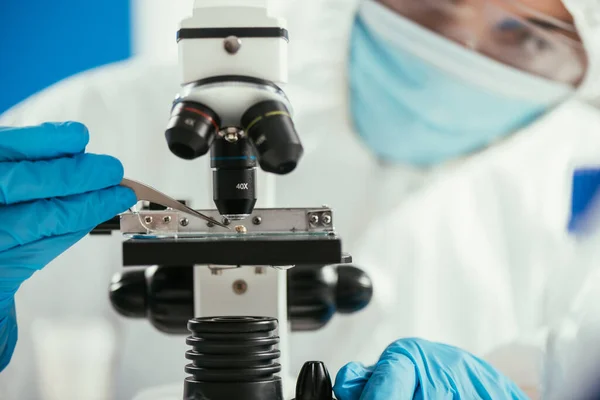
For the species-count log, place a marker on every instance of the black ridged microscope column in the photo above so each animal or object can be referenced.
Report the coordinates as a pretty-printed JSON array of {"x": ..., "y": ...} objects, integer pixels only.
[{"x": 233, "y": 358}]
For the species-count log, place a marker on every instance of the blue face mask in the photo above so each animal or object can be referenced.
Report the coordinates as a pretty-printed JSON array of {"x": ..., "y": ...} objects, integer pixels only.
[{"x": 418, "y": 98}]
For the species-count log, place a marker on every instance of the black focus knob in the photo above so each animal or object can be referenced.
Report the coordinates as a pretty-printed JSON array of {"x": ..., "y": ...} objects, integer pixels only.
[
  {"x": 314, "y": 382},
  {"x": 316, "y": 293},
  {"x": 171, "y": 298},
  {"x": 353, "y": 291},
  {"x": 311, "y": 296},
  {"x": 164, "y": 295},
  {"x": 128, "y": 293}
]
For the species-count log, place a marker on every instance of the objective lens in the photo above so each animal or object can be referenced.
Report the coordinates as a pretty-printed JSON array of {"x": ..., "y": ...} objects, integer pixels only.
[
  {"x": 272, "y": 131},
  {"x": 191, "y": 130},
  {"x": 234, "y": 177}
]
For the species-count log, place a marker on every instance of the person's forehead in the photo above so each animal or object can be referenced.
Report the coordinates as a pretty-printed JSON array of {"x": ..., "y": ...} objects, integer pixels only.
[{"x": 554, "y": 8}]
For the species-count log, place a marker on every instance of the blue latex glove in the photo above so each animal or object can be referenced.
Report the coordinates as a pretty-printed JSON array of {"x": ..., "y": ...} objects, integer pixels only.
[
  {"x": 51, "y": 195},
  {"x": 417, "y": 369}
]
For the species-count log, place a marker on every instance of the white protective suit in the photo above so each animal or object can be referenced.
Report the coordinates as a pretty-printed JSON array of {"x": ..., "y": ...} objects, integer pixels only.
[{"x": 467, "y": 254}]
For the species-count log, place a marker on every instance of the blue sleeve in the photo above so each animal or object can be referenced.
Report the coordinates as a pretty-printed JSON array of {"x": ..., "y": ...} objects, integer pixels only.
[
  {"x": 8, "y": 334},
  {"x": 584, "y": 201}
]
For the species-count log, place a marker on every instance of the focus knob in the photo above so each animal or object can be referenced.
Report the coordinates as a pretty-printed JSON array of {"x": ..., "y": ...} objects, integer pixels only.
[
  {"x": 311, "y": 296},
  {"x": 128, "y": 293},
  {"x": 314, "y": 382},
  {"x": 316, "y": 293},
  {"x": 354, "y": 290},
  {"x": 163, "y": 295}
]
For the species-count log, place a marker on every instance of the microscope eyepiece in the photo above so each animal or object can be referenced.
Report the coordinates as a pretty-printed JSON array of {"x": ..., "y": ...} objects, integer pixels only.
[
  {"x": 271, "y": 129},
  {"x": 191, "y": 130}
]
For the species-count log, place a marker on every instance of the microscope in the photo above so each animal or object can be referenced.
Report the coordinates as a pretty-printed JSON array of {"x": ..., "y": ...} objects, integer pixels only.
[{"x": 238, "y": 292}]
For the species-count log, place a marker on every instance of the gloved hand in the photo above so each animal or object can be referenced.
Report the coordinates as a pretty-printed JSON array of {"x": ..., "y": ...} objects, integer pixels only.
[
  {"x": 418, "y": 369},
  {"x": 51, "y": 195}
]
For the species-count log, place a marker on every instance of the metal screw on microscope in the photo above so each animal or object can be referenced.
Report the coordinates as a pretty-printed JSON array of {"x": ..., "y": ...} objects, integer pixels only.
[
  {"x": 166, "y": 219},
  {"x": 184, "y": 222},
  {"x": 232, "y": 135},
  {"x": 240, "y": 286},
  {"x": 226, "y": 221},
  {"x": 257, "y": 220},
  {"x": 232, "y": 44},
  {"x": 326, "y": 219},
  {"x": 314, "y": 219},
  {"x": 148, "y": 219},
  {"x": 260, "y": 270}
]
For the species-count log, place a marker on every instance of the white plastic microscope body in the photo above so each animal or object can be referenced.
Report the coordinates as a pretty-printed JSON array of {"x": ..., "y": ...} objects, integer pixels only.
[
  {"x": 263, "y": 59},
  {"x": 258, "y": 57}
]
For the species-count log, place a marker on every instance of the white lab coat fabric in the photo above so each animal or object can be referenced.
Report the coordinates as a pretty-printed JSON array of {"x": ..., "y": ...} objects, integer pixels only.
[
  {"x": 473, "y": 254},
  {"x": 572, "y": 357}
]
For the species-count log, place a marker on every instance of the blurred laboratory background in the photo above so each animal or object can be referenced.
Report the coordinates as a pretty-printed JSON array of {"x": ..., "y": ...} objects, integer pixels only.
[{"x": 44, "y": 42}]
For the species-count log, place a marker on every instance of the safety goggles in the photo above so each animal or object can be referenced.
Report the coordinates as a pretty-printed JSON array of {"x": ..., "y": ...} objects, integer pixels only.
[{"x": 504, "y": 30}]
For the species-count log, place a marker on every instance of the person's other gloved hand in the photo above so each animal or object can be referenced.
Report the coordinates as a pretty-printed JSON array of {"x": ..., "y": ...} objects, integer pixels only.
[
  {"x": 417, "y": 369},
  {"x": 51, "y": 195}
]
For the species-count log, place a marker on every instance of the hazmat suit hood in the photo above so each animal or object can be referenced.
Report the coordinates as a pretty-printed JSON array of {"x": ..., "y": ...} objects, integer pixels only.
[{"x": 586, "y": 14}]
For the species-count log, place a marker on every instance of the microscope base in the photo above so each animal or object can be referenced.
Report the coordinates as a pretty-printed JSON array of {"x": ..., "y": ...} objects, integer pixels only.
[{"x": 175, "y": 391}]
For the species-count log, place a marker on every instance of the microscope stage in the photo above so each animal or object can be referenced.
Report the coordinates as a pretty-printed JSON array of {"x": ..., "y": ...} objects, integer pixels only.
[
  {"x": 268, "y": 237},
  {"x": 258, "y": 250}
]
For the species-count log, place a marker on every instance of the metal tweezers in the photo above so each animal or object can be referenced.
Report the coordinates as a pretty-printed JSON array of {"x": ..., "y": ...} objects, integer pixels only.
[{"x": 147, "y": 193}]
